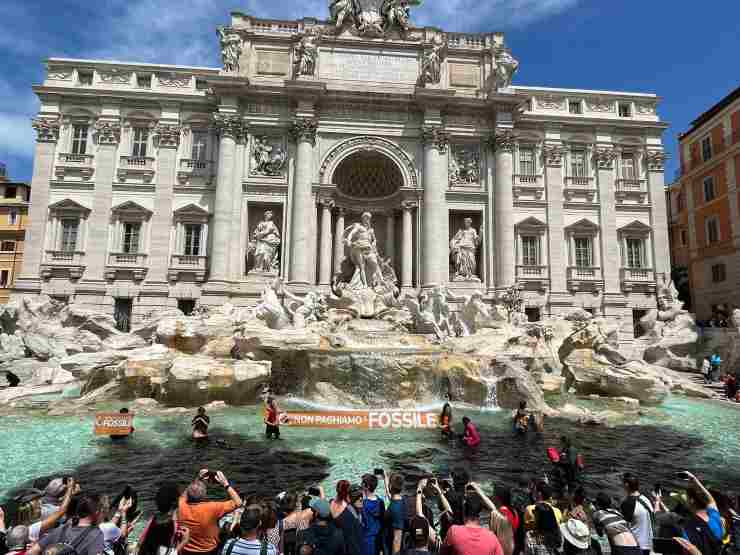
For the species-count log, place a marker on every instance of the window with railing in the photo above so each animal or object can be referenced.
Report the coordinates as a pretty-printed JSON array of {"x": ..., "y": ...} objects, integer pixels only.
[
  {"x": 684, "y": 237},
  {"x": 530, "y": 250},
  {"x": 131, "y": 237},
  {"x": 141, "y": 139},
  {"x": 635, "y": 253},
  {"x": 192, "y": 239},
  {"x": 70, "y": 230},
  {"x": 527, "y": 162},
  {"x": 679, "y": 201},
  {"x": 578, "y": 163},
  {"x": 583, "y": 247},
  {"x": 706, "y": 148},
  {"x": 709, "y": 193},
  {"x": 79, "y": 139},
  {"x": 200, "y": 146},
  {"x": 628, "y": 166}
]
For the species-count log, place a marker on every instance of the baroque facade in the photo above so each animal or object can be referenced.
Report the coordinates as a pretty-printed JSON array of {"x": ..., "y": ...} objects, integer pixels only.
[{"x": 164, "y": 186}]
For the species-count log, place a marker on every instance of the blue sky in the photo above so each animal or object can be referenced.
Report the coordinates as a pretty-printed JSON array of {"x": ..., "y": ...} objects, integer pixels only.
[{"x": 686, "y": 54}]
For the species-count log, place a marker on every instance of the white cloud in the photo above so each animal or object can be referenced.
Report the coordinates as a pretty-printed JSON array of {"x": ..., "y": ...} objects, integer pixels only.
[{"x": 17, "y": 137}]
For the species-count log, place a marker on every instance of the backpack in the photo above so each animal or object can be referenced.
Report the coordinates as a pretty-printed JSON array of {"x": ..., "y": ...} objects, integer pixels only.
[
  {"x": 64, "y": 548},
  {"x": 734, "y": 528},
  {"x": 701, "y": 536}
]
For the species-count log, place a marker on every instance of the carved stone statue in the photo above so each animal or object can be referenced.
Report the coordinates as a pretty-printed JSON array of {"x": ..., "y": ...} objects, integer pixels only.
[
  {"x": 342, "y": 11},
  {"x": 373, "y": 18},
  {"x": 463, "y": 248},
  {"x": 360, "y": 238},
  {"x": 505, "y": 68},
  {"x": 668, "y": 314},
  {"x": 264, "y": 245},
  {"x": 231, "y": 49},
  {"x": 464, "y": 166},
  {"x": 269, "y": 159},
  {"x": 431, "y": 65},
  {"x": 306, "y": 310},
  {"x": 476, "y": 315},
  {"x": 397, "y": 14},
  {"x": 306, "y": 53},
  {"x": 270, "y": 310}
]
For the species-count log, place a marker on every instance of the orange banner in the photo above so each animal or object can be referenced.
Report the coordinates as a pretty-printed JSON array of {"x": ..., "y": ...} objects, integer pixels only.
[
  {"x": 362, "y": 419},
  {"x": 113, "y": 424}
]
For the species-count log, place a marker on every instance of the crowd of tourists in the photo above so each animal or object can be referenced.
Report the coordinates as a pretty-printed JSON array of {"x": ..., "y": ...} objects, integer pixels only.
[{"x": 378, "y": 513}]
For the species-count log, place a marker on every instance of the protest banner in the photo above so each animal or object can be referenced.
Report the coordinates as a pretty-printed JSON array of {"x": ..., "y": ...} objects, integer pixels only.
[
  {"x": 113, "y": 424},
  {"x": 383, "y": 419}
]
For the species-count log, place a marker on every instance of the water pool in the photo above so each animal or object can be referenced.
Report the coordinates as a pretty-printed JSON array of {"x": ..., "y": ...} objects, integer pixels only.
[{"x": 684, "y": 434}]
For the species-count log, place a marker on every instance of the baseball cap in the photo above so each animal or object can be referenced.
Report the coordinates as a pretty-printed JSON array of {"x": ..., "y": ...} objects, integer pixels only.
[
  {"x": 320, "y": 507},
  {"x": 55, "y": 488},
  {"x": 29, "y": 495}
]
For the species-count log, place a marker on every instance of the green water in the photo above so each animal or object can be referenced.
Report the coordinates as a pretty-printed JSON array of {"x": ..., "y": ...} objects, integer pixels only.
[{"x": 698, "y": 435}]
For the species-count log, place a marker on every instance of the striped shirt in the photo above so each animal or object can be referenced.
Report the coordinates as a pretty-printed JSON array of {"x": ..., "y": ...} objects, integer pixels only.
[
  {"x": 611, "y": 522},
  {"x": 246, "y": 547}
]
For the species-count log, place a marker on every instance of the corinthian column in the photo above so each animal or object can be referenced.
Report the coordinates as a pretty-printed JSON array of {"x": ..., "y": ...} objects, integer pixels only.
[
  {"x": 435, "y": 224},
  {"x": 47, "y": 130},
  {"x": 303, "y": 132},
  {"x": 231, "y": 128},
  {"x": 407, "y": 246},
  {"x": 338, "y": 240},
  {"x": 325, "y": 260},
  {"x": 390, "y": 237},
  {"x": 502, "y": 143}
]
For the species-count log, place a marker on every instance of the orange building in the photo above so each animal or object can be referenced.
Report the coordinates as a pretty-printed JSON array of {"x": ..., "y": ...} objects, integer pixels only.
[
  {"x": 704, "y": 208},
  {"x": 14, "y": 201}
]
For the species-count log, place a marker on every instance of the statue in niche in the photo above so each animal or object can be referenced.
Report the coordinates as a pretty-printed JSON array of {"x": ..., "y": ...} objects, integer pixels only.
[
  {"x": 342, "y": 10},
  {"x": 463, "y": 248},
  {"x": 265, "y": 244},
  {"x": 431, "y": 65},
  {"x": 269, "y": 159},
  {"x": 306, "y": 53},
  {"x": 231, "y": 49},
  {"x": 506, "y": 66},
  {"x": 360, "y": 238}
]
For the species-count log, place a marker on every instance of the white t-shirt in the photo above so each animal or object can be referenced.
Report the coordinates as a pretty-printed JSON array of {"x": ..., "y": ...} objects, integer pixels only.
[
  {"x": 642, "y": 524},
  {"x": 705, "y": 366}
]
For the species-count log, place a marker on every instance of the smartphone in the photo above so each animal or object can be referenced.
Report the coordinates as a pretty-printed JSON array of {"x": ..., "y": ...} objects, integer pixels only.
[
  {"x": 314, "y": 492},
  {"x": 211, "y": 476},
  {"x": 432, "y": 481},
  {"x": 667, "y": 546},
  {"x": 378, "y": 472},
  {"x": 469, "y": 488}
]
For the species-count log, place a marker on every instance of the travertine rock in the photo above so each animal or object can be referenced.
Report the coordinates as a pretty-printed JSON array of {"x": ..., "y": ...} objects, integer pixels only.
[
  {"x": 187, "y": 335},
  {"x": 11, "y": 347},
  {"x": 83, "y": 364}
]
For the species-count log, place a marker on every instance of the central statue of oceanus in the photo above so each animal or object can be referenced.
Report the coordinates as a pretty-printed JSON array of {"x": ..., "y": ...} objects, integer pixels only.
[{"x": 372, "y": 17}]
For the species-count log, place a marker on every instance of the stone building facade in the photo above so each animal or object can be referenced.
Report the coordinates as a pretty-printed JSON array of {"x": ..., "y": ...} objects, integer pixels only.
[
  {"x": 704, "y": 208},
  {"x": 151, "y": 182},
  {"x": 14, "y": 201}
]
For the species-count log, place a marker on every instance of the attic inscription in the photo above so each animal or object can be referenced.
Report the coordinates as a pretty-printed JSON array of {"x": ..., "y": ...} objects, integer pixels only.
[{"x": 354, "y": 66}]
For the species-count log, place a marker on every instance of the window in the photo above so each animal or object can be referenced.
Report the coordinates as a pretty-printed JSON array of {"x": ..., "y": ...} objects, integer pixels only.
[
  {"x": 122, "y": 310},
  {"x": 70, "y": 228},
  {"x": 141, "y": 137},
  {"x": 530, "y": 254},
  {"x": 4, "y": 276},
  {"x": 192, "y": 239},
  {"x": 574, "y": 107},
  {"x": 719, "y": 272},
  {"x": 200, "y": 143},
  {"x": 526, "y": 161},
  {"x": 625, "y": 110},
  {"x": 578, "y": 163},
  {"x": 637, "y": 315},
  {"x": 13, "y": 216},
  {"x": 533, "y": 314},
  {"x": 684, "y": 237},
  {"x": 186, "y": 306},
  {"x": 10, "y": 192},
  {"x": 706, "y": 148},
  {"x": 628, "y": 166},
  {"x": 79, "y": 139},
  {"x": 7, "y": 246},
  {"x": 85, "y": 78},
  {"x": 131, "y": 234},
  {"x": 679, "y": 201},
  {"x": 709, "y": 189},
  {"x": 635, "y": 250},
  {"x": 144, "y": 81},
  {"x": 201, "y": 84},
  {"x": 583, "y": 252},
  {"x": 712, "y": 225}
]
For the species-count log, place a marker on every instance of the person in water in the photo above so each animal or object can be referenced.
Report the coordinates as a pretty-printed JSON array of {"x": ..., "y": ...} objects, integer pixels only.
[
  {"x": 200, "y": 424},
  {"x": 272, "y": 419},
  {"x": 124, "y": 410},
  {"x": 445, "y": 422},
  {"x": 568, "y": 460},
  {"x": 522, "y": 418},
  {"x": 471, "y": 437}
]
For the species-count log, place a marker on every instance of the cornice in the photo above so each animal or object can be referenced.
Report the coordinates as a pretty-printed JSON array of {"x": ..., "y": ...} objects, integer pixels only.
[
  {"x": 123, "y": 94},
  {"x": 130, "y": 66},
  {"x": 563, "y": 119}
]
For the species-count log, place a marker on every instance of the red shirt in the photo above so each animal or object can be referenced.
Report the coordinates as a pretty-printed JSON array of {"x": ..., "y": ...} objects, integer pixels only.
[
  {"x": 511, "y": 516},
  {"x": 472, "y": 437},
  {"x": 471, "y": 540},
  {"x": 272, "y": 418}
]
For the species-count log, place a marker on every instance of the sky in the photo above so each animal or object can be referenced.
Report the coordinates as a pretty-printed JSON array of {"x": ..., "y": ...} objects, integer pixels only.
[{"x": 684, "y": 53}]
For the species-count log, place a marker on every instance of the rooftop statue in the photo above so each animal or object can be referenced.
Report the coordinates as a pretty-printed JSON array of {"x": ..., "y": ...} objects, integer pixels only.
[
  {"x": 506, "y": 66},
  {"x": 372, "y": 18},
  {"x": 231, "y": 49}
]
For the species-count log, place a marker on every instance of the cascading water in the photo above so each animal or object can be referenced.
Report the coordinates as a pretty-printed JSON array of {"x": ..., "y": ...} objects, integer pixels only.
[{"x": 491, "y": 400}]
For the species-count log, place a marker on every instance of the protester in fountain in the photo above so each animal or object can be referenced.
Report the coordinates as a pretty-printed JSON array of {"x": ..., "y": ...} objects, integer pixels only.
[
  {"x": 706, "y": 370},
  {"x": 544, "y": 538},
  {"x": 162, "y": 530},
  {"x": 543, "y": 495},
  {"x": 731, "y": 386},
  {"x": 82, "y": 533},
  {"x": 250, "y": 542},
  {"x": 202, "y": 517},
  {"x": 470, "y": 437},
  {"x": 704, "y": 528},
  {"x": 568, "y": 461},
  {"x": 445, "y": 422},
  {"x": 346, "y": 518},
  {"x": 200, "y": 424},
  {"x": 272, "y": 419},
  {"x": 124, "y": 410},
  {"x": 638, "y": 510},
  {"x": 373, "y": 515},
  {"x": 611, "y": 522},
  {"x": 471, "y": 538},
  {"x": 321, "y": 538},
  {"x": 12, "y": 379},
  {"x": 395, "y": 516}
]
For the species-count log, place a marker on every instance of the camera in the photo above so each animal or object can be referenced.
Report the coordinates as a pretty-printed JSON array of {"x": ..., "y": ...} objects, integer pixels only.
[
  {"x": 314, "y": 491},
  {"x": 378, "y": 472}
]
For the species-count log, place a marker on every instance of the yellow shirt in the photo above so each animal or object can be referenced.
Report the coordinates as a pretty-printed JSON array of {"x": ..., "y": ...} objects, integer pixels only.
[{"x": 529, "y": 519}]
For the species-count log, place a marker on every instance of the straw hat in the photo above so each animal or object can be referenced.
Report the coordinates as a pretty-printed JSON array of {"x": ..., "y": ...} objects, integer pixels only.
[{"x": 576, "y": 533}]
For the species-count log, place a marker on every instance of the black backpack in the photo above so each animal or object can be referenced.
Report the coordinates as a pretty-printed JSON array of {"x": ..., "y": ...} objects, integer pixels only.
[
  {"x": 701, "y": 536},
  {"x": 62, "y": 547}
]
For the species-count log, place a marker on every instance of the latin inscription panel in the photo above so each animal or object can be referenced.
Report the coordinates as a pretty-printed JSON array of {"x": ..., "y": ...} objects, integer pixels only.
[
  {"x": 464, "y": 75},
  {"x": 272, "y": 63},
  {"x": 364, "y": 66}
]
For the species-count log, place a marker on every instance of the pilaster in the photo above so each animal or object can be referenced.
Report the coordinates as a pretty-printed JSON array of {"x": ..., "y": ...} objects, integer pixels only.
[
  {"x": 553, "y": 154},
  {"x": 604, "y": 156},
  {"x": 237, "y": 252},
  {"x": 502, "y": 144},
  {"x": 407, "y": 246},
  {"x": 655, "y": 160}
]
